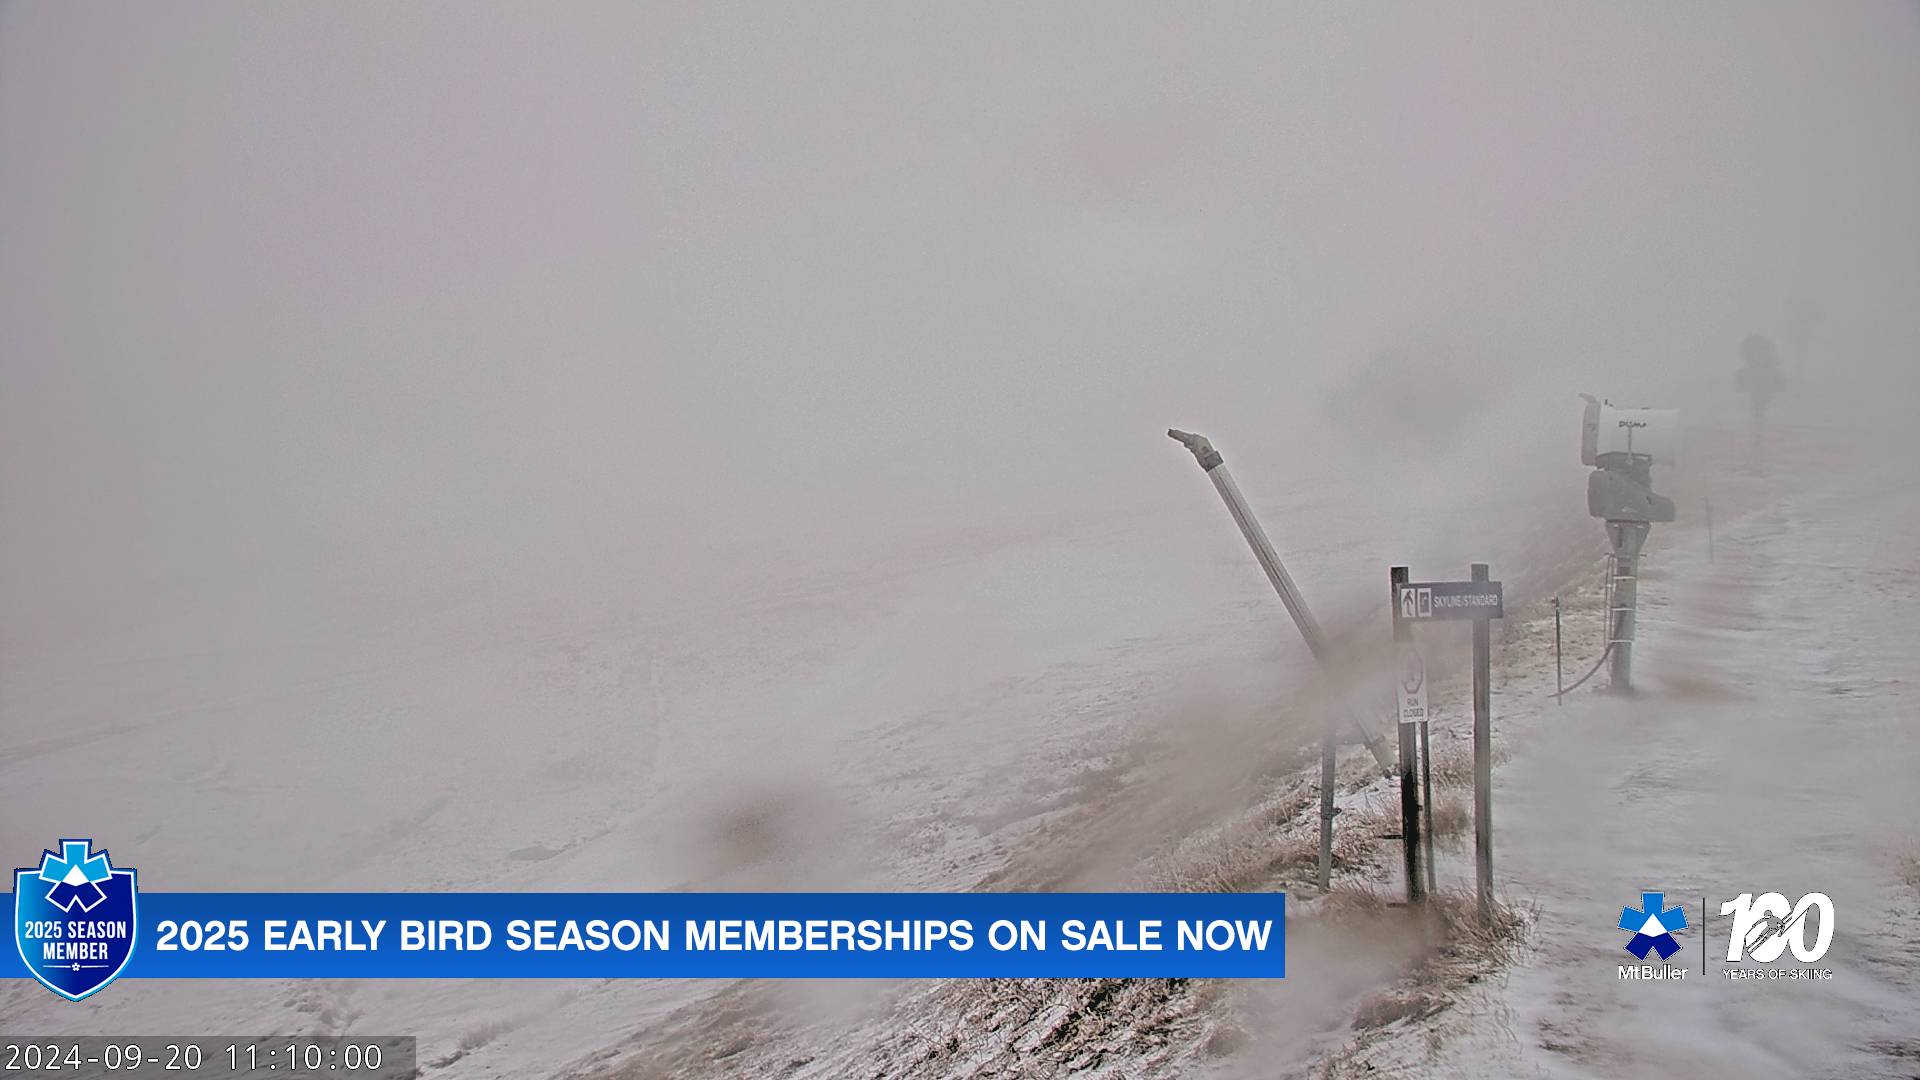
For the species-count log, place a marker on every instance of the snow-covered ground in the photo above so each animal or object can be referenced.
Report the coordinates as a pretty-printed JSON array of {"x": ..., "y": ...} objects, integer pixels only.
[
  {"x": 1773, "y": 750},
  {"x": 920, "y": 714},
  {"x": 1057, "y": 705},
  {"x": 672, "y": 447}
]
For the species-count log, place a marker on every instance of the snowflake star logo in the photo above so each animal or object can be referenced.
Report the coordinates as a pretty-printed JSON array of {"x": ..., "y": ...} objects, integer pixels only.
[
  {"x": 1652, "y": 925},
  {"x": 74, "y": 878}
]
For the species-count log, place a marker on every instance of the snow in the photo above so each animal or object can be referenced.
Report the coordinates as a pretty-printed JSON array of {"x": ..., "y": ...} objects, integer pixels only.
[
  {"x": 1772, "y": 750},
  {"x": 915, "y": 715},
  {"x": 1039, "y": 706}
]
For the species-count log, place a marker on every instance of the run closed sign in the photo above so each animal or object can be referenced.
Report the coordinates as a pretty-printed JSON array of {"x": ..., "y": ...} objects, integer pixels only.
[{"x": 1413, "y": 685}]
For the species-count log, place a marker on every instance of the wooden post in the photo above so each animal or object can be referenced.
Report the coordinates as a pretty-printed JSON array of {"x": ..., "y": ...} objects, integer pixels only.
[
  {"x": 1483, "y": 755},
  {"x": 1409, "y": 790}
]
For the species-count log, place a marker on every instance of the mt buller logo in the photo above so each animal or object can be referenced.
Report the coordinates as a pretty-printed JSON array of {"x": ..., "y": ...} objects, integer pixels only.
[
  {"x": 74, "y": 919},
  {"x": 1652, "y": 926}
]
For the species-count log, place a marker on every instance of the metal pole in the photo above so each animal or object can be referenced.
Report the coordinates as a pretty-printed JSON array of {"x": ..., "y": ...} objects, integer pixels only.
[
  {"x": 1483, "y": 755},
  {"x": 1296, "y": 605},
  {"x": 1327, "y": 810},
  {"x": 1216, "y": 469},
  {"x": 1559, "y": 674},
  {"x": 1628, "y": 538},
  {"x": 1426, "y": 796},
  {"x": 1606, "y": 591},
  {"x": 1409, "y": 790}
]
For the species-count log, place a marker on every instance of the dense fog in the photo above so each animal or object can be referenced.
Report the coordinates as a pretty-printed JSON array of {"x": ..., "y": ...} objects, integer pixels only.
[
  {"x": 406, "y": 295},
  {"x": 636, "y": 447}
]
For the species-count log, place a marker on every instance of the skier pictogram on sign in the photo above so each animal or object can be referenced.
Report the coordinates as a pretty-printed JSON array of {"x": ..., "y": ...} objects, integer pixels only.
[{"x": 1416, "y": 602}]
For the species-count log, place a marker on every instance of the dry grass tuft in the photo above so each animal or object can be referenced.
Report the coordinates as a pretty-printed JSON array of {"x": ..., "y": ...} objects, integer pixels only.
[
  {"x": 481, "y": 1034},
  {"x": 1473, "y": 944},
  {"x": 1395, "y": 1005},
  {"x": 1908, "y": 864},
  {"x": 1350, "y": 903},
  {"x": 1277, "y": 845},
  {"x": 1452, "y": 820},
  {"x": 1453, "y": 763},
  {"x": 1240, "y": 861},
  {"x": 1466, "y": 947}
]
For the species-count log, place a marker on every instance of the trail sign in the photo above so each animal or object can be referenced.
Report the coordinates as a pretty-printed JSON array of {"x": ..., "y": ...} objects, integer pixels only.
[
  {"x": 1479, "y": 602},
  {"x": 1413, "y": 686},
  {"x": 1431, "y": 601}
]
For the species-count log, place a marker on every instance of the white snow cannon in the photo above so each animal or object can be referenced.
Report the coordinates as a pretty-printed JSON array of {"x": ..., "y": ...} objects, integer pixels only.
[{"x": 1624, "y": 445}]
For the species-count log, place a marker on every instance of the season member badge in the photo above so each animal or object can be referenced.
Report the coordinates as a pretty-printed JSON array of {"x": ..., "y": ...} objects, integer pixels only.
[{"x": 73, "y": 919}]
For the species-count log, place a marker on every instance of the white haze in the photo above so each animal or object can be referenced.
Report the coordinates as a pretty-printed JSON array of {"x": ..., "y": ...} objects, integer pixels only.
[
  {"x": 417, "y": 294},
  {"x": 634, "y": 446}
]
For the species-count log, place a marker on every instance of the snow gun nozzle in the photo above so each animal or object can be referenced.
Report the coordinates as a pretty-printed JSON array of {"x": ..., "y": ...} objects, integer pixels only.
[{"x": 1203, "y": 451}]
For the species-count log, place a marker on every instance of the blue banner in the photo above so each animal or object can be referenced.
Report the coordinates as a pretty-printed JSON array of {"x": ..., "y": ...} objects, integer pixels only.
[{"x": 707, "y": 935}]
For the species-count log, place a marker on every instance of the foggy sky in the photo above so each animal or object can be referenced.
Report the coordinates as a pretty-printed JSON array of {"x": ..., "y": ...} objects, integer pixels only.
[{"x": 398, "y": 290}]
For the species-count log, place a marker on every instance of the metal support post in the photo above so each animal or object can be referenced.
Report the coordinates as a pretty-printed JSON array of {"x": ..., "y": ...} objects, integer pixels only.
[
  {"x": 1483, "y": 755},
  {"x": 1426, "y": 800},
  {"x": 1559, "y": 672},
  {"x": 1628, "y": 538},
  {"x": 1409, "y": 790}
]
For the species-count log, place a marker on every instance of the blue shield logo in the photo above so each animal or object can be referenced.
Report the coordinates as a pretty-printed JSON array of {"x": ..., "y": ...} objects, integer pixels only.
[{"x": 74, "y": 919}]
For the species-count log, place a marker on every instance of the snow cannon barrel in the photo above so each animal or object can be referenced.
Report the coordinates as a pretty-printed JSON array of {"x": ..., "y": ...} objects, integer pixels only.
[
  {"x": 1203, "y": 451},
  {"x": 1609, "y": 432},
  {"x": 1625, "y": 445}
]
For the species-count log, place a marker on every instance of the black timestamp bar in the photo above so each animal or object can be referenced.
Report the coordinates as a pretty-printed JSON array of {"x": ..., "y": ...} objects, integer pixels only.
[{"x": 194, "y": 1057}]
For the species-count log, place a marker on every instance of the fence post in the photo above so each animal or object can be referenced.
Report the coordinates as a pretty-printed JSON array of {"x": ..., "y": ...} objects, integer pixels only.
[{"x": 1559, "y": 672}]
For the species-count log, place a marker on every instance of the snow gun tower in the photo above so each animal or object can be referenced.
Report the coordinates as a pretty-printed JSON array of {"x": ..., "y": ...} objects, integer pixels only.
[
  {"x": 1624, "y": 445},
  {"x": 1215, "y": 467}
]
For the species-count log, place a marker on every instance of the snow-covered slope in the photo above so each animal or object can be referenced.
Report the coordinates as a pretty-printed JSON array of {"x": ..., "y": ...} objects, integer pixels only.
[
  {"x": 907, "y": 716},
  {"x": 1773, "y": 750}
]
